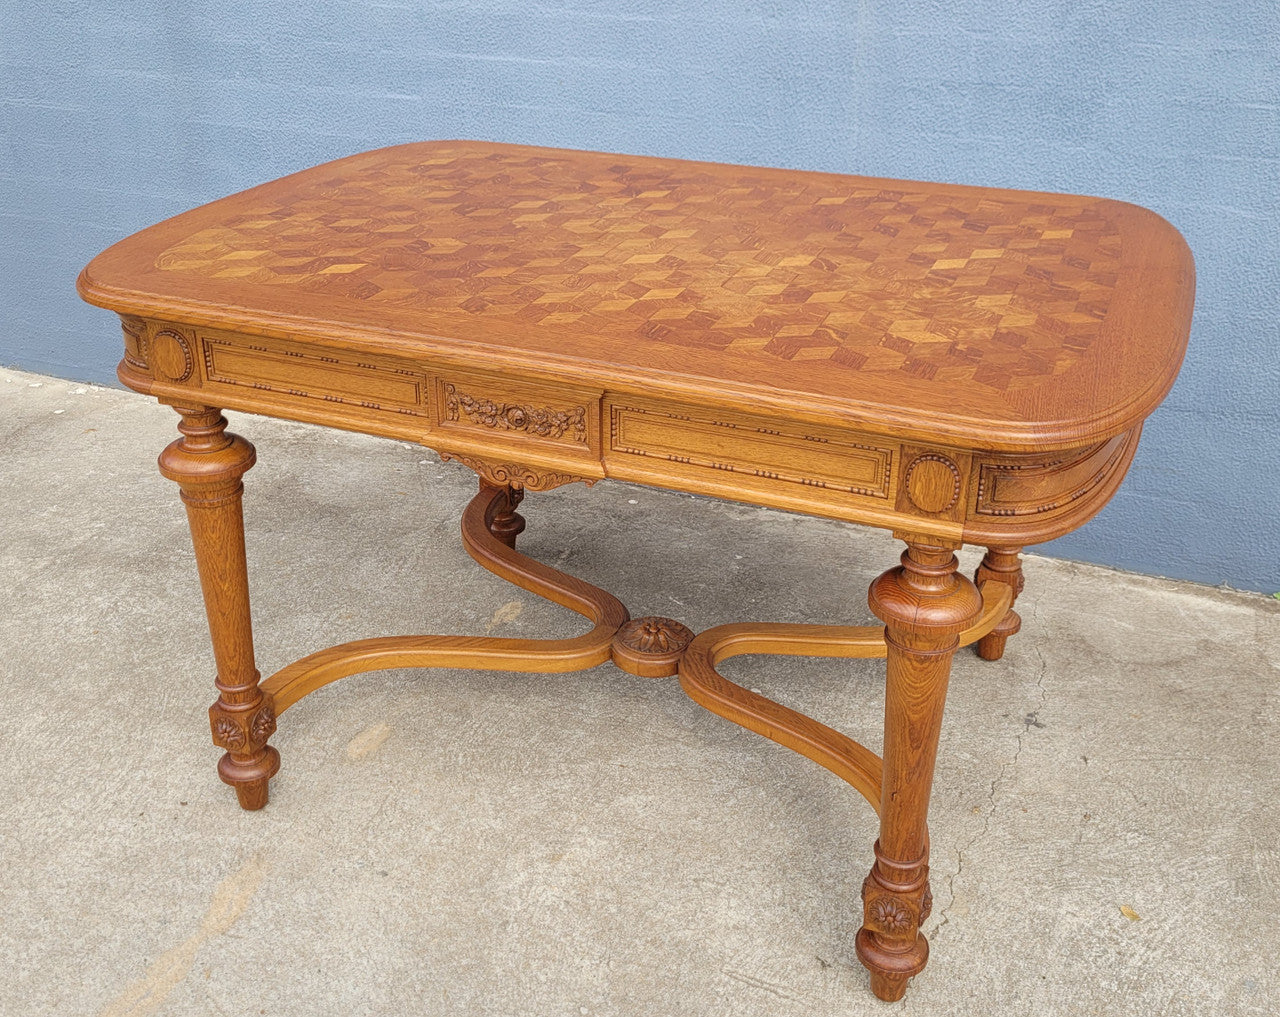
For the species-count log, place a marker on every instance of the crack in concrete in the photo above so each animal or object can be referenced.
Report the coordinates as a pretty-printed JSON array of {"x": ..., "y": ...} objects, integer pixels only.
[
  {"x": 757, "y": 982},
  {"x": 1029, "y": 721}
]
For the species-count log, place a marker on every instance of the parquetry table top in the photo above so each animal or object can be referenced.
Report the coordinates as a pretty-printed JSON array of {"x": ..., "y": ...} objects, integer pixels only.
[{"x": 1005, "y": 319}]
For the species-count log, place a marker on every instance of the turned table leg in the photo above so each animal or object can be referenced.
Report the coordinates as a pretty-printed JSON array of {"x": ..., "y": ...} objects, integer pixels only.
[
  {"x": 505, "y": 522},
  {"x": 925, "y": 604},
  {"x": 207, "y": 463},
  {"x": 1003, "y": 565}
]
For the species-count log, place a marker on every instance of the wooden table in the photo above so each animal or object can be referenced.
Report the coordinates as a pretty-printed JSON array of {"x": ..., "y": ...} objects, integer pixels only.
[{"x": 956, "y": 364}]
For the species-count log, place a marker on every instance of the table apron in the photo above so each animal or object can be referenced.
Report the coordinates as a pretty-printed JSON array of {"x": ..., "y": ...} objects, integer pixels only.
[{"x": 543, "y": 432}]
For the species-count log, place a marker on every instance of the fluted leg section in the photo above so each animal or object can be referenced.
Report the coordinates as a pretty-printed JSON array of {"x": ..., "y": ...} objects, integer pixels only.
[
  {"x": 208, "y": 463},
  {"x": 1003, "y": 565},
  {"x": 925, "y": 605}
]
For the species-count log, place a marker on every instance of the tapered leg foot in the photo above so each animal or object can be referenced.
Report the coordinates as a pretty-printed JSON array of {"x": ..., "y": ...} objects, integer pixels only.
[
  {"x": 253, "y": 795},
  {"x": 1001, "y": 565},
  {"x": 991, "y": 646},
  {"x": 249, "y": 762},
  {"x": 251, "y": 792},
  {"x": 890, "y": 988},
  {"x": 250, "y": 775}
]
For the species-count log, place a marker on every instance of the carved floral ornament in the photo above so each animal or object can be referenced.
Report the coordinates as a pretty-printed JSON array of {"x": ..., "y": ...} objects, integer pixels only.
[
  {"x": 655, "y": 635},
  {"x": 231, "y": 732},
  {"x": 893, "y": 914},
  {"x": 227, "y": 733},
  {"x": 540, "y": 421},
  {"x": 264, "y": 723},
  {"x": 889, "y": 915}
]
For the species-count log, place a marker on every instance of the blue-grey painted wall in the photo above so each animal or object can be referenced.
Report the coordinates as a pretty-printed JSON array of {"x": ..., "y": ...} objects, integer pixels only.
[{"x": 117, "y": 114}]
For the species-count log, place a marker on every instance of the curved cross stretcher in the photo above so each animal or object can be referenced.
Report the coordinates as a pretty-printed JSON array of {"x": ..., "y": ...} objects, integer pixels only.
[
  {"x": 489, "y": 528},
  {"x": 847, "y": 759},
  {"x": 546, "y": 656}
]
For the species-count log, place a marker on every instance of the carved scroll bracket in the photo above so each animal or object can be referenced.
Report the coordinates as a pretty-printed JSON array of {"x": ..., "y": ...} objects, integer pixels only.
[{"x": 530, "y": 478}]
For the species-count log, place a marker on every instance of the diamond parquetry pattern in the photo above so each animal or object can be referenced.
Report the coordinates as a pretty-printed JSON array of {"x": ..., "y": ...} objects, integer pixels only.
[{"x": 937, "y": 282}]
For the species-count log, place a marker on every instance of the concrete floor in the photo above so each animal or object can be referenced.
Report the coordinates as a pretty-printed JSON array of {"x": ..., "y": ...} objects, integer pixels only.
[{"x": 466, "y": 843}]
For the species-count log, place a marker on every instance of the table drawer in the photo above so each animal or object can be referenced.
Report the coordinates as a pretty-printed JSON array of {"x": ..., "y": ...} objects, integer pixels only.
[
  {"x": 327, "y": 375},
  {"x": 753, "y": 449},
  {"x": 520, "y": 413}
]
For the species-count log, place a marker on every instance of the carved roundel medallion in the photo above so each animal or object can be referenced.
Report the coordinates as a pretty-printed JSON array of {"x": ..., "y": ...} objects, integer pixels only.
[
  {"x": 932, "y": 482},
  {"x": 651, "y": 646},
  {"x": 171, "y": 356},
  {"x": 651, "y": 634}
]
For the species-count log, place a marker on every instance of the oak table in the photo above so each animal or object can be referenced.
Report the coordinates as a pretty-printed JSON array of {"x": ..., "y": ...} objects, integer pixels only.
[{"x": 956, "y": 364}]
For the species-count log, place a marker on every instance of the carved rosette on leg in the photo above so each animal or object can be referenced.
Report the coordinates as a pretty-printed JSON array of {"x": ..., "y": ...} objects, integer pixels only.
[
  {"x": 208, "y": 463},
  {"x": 925, "y": 605},
  {"x": 1001, "y": 565}
]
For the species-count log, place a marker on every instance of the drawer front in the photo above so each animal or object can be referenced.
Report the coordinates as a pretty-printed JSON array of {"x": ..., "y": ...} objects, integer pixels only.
[
  {"x": 755, "y": 451},
  {"x": 563, "y": 419},
  {"x": 299, "y": 372}
]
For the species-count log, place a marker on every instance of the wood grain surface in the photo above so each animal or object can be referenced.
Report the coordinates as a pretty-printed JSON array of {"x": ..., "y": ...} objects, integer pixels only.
[{"x": 998, "y": 319}]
